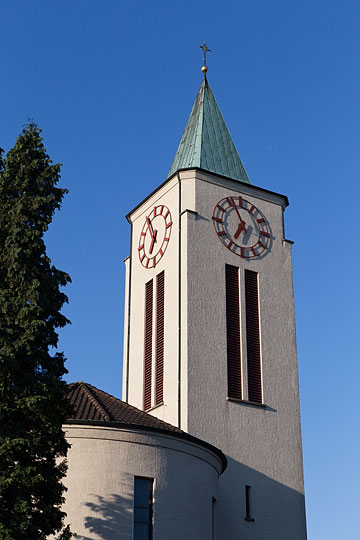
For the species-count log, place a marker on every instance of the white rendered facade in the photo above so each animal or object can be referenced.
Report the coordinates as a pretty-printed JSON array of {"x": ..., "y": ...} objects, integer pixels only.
[
  {"x": 104, "y": 460},
  {"x": 261, "y": 441}
]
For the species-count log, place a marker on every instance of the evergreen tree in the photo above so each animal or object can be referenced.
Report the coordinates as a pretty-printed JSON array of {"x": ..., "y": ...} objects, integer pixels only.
[{"x": 33, "y": 402}]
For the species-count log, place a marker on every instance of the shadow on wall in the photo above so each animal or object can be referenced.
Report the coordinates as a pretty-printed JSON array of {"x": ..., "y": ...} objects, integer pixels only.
[
  {"x": 109, "y": 519},
  {"x": 275, "y": 510}
]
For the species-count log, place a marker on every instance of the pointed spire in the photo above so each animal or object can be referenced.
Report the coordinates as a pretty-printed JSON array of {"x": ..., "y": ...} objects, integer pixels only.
[{"x": 206, "y": 142}]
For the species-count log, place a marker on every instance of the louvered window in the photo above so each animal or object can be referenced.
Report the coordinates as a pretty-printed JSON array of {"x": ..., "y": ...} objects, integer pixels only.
[
  {"x": 159, "y": 344},
  {"x": 233, "y": 331},
  {"x": 253, "y": 336},
  {"x": 148, "y": 343}
]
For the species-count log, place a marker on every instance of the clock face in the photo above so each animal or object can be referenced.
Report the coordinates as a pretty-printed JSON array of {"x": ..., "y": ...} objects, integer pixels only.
[
  {"x": 241, "y": 227},
  {"x": 154, "y": 236}
]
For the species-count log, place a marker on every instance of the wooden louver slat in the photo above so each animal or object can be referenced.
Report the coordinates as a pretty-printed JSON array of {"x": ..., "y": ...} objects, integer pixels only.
[
  {"x": 159, "y": 345},
  {"x": 253, "y": 336},
  {"x": 148, "y": 343},
  {"x": 233, "y": 331}
]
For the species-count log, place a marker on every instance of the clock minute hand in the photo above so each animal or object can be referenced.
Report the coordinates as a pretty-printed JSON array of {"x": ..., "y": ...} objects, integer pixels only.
[
  {"x": 153, "y": 234},
  {"x": 150, "y": 227},
  {"x": 242, "y": 222}
]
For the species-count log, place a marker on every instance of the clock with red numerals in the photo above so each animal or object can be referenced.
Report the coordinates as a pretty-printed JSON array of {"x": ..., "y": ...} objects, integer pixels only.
[
  {"x": 241, "y": 227},
  {"x": 155, "y": 236}
]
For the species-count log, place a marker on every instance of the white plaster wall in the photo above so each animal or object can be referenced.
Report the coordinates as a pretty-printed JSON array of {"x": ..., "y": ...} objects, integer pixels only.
[
  {"x": 263, "y": 444},
  {"x": 102, "y": 464},
  {"x": 167, "y": 195}
]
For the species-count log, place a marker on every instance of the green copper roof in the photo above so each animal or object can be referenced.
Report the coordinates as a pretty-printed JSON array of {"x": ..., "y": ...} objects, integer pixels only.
[{"x": 206, "y": 142}]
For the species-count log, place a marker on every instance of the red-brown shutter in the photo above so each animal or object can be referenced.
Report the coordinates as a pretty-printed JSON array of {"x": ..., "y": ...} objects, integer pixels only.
[
  {"x": 253, "y": 336},
  {"x": 233, "y": 331},
  {"x": 148, "y": 343},
  {"x": 159, "y": 345}
]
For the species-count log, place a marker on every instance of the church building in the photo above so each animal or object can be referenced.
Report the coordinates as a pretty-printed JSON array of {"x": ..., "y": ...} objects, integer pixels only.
[{"x": 206, "y": 444}]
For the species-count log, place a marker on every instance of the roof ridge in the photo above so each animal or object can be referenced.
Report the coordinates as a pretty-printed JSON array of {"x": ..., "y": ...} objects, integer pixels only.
[
  {"x": 133, "y": 408},
  {"x": 202, "y": 119},
  {"x": 92, "y": 397},
  {"x": 96, "y": 397}
]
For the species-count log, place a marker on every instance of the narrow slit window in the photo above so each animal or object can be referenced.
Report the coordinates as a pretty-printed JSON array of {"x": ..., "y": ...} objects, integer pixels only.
[
  {"x": 148, "y": 343},
  {"x": 213, "y": 511},
  {"x": 143, "y": 508},
  {"x": 253, "y": 336},
  {"x": 248, "y": 515},
  {"x": 159, "y": 343},
  {"x": 233, "y": 331}
]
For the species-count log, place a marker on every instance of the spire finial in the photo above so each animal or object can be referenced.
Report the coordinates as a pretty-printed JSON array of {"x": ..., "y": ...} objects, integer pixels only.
[{"x": 205, "y": 50}]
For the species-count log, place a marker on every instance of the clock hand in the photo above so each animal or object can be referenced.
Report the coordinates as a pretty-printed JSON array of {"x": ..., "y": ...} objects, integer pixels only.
[
  {"x": 153, "y": 234},
  {"x": 153, "y": 241},
  {"x": 242, "y": 222},
  {"x": 240, "y": 228},
  {"x": 150, "y": 227}
]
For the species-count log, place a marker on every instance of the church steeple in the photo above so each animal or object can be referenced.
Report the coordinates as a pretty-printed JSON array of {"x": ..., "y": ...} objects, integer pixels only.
[
  {"x": 209, "y": 266},
  {"x": 206, "y": 142}
]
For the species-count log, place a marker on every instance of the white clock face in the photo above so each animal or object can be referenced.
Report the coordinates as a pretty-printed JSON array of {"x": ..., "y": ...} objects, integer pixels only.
[
  {"x": 241, "y": 227},
  {"x": 155, "y": 236}
]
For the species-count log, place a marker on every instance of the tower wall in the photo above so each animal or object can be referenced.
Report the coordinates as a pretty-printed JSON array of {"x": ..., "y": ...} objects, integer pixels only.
[
  {"x": 136, "y": 278},
  {"x": 263, "y": 441}
]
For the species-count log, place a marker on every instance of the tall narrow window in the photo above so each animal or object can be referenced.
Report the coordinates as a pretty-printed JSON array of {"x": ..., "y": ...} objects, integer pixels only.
[
  {"x": 213, "y": 508},
  {"x": 253, "y": 336},
  {"x": 159, "y": 344},
  {"x": 233, "y": 331},
  {"x": 248, "y": 515},
  {"x": 143, "y": 508},
  {"x": 148, "y": 343}
]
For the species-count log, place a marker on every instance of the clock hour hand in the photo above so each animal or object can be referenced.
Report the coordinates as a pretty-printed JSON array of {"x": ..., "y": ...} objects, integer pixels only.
[
  {"x": 153, "y": 240},
  {"x": 240, "y": 228}
]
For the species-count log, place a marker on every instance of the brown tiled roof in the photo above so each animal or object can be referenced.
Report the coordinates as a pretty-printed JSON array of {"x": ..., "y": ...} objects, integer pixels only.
[
  {"x": 90, "y": 403},
  {"x": 93, "y": 406}
]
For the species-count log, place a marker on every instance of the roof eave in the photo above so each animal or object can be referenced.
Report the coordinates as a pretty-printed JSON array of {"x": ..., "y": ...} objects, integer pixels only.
[
  {"x": 284, "y": 197},
  {"x": 139, "y": 427}
]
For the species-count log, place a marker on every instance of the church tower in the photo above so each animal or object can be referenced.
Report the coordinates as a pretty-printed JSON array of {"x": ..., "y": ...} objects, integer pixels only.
[{"x": 210, "y": 329}]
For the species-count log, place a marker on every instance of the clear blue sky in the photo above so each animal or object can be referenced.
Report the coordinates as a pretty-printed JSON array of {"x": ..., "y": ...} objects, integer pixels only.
[{"x": 112, "y": 84}]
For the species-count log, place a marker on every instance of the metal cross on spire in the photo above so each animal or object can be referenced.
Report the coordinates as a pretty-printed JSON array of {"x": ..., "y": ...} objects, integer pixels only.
[{"x": 205, "y": 50}]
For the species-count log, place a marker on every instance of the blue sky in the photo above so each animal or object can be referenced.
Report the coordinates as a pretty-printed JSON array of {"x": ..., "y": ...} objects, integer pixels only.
[{"x": 112, "y": 84}]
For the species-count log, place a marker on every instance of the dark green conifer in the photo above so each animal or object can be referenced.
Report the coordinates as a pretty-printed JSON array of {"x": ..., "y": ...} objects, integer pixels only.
[{"x": 33, "y": 402}]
